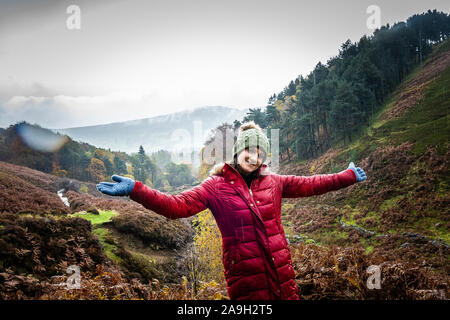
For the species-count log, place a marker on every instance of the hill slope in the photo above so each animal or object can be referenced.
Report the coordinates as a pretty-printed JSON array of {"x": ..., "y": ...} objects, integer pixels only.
[
  {"x": 401, "y": 212},
  {"x": 40, "y": 237}
]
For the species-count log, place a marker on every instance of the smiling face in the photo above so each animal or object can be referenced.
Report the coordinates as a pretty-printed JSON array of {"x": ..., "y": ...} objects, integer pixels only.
[{"x": 250, "y": 159}]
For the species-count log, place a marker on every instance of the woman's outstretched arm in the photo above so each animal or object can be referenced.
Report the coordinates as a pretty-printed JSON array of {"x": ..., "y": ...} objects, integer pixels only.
[
  {"x": 305, "y": 186},
  {"x": 182, "y": 205}
]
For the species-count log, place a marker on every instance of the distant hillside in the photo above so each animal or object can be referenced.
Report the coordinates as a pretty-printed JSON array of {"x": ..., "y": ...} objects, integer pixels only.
[
  {"x": 154, "y": 133},
  {"x": 42, "y": 149}
]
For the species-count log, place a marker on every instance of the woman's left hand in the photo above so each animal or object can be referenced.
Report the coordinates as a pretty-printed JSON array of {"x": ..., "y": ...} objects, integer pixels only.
[{"x": 360, "y": 174}]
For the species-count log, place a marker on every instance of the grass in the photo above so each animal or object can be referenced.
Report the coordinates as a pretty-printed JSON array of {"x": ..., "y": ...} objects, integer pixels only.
[
  {"x": 96, "y": 219},
  {"x": 143, "y": 257},
  {"x": 426, "y": 123},
  {"x": 440, "y": 48},
  {"x": 84, "y": 188},
  {"x": 108, "y": 243},
  {"x": 358, "y": 197},
  {"x": 369, "y": 244},
  {"x": 102, "y": 233},
  {"x": 348, "y": 216},
  {"x": 433, "y": 232},
  {"x": 371, "y": 214},
  {"x": 442, "y": 187},
  {"x": 285, "y": 207},
  {"x": 390, "y": 203},
  {"x": 388, "y": 105},
  {"x": 369, "y": 249},
  {"x": 331, "y": 237}
]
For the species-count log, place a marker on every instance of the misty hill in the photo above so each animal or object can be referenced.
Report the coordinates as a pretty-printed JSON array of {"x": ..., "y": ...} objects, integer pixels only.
[
  {"x": 42, "y": 149},
  {"x": 155, "y": 133}
]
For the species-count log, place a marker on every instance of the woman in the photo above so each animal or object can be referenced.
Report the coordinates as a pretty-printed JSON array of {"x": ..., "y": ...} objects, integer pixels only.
[{"x": 245, "y": 199}]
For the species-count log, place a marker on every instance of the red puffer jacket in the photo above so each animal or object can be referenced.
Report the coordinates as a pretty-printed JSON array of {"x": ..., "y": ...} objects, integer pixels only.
[{"x": 256, "y": 255}]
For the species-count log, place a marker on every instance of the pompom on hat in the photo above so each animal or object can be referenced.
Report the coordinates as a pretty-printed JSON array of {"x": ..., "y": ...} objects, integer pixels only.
[{"x": 251, "y": 135}]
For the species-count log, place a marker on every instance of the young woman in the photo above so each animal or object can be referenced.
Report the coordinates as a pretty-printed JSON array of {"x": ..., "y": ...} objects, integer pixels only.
[{"x": 245, "y": 199}]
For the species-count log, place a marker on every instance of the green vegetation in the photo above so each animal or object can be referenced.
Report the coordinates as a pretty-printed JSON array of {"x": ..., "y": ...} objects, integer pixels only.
[
  {"x": 96, "y": 219},
  {"x": 390, "y": 203},
  {"x": 433, "y": 228},
  {"x": 329, "y": 237},
  {"x": 84, "y": 188},
  {"x": 426, "y": 123},
  {"x": 421, "y": 124},
  {"x": 369, "y": 249},
  {"x": 369, "y": 244},
  {"x": 103, "y": 234},
  {"x": 285, "y": 207},
  {"x": 369, "y": 216},
  {"x": 144, "y": 258},
  {"x": 348, "y": 216},
  {"x": 440, "y": 48},
  {"x": 128, "y": 251},
  {"x": 108, "y": 243}
]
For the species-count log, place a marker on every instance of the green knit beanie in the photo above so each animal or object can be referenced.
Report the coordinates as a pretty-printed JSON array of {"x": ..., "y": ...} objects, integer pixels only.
[{"x": 251, "y": 138}]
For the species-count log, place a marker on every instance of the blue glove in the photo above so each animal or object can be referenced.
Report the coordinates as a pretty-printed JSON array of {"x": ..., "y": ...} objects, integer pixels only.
[
  {"x": 122, "y": 188},
  {"x": 360, "y": 174}
]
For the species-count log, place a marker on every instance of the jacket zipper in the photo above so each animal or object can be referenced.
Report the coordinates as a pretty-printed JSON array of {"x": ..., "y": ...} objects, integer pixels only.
[{"x": 250, "y": 189}]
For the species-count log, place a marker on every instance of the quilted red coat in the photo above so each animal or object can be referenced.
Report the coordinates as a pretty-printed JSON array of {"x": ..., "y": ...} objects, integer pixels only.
[{"x": 256, "y": 256}]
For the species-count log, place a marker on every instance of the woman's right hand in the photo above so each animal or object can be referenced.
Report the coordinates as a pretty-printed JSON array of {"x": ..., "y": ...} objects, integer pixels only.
[{"x": 122, "y": 188}]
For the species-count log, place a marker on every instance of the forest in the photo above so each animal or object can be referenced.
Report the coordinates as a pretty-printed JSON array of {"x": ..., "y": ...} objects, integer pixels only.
[{"x": 333, "y": 104}]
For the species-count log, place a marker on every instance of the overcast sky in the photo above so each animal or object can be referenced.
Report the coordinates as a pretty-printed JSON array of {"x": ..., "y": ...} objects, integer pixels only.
[{"x": 141, "y": 58}]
